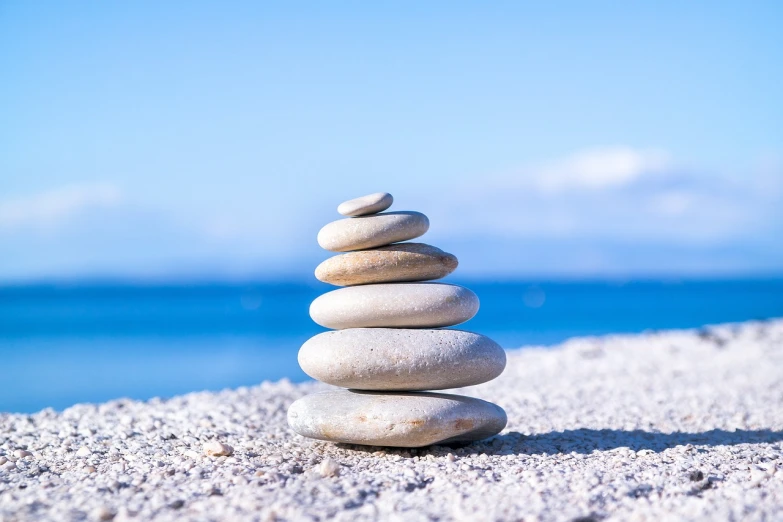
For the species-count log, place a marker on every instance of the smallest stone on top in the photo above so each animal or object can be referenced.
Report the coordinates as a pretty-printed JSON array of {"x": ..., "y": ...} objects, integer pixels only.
[
  {"x": 367, "y": 226},
  {"x": 370, "y": 204}
]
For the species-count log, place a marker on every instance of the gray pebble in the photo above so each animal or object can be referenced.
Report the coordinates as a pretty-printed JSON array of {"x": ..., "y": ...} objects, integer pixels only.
[
  {"x": 372, "y": 231},
  {"x": 401, "y": 359}
]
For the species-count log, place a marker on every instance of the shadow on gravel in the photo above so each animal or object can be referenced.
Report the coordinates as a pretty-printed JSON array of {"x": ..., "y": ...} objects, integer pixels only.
[{"x": 587, "y": 440}]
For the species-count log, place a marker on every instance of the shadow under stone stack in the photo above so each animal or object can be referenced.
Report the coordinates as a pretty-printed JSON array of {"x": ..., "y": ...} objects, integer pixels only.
[{"x": 388, "y": 342}]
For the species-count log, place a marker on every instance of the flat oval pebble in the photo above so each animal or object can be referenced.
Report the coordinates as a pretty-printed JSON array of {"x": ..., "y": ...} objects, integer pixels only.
[
  {"x": 395, "y": 305},
  {"x": 373, "y": 231},
  {"x": 401, "y": 359},
  {"x": 408, "y": 420},
  {"x": 369, "y": 204},
  {"x": 393, "y": 263}
]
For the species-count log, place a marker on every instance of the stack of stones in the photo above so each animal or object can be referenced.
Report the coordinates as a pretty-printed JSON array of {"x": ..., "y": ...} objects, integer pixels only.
[{"x": 388, "y": 342}]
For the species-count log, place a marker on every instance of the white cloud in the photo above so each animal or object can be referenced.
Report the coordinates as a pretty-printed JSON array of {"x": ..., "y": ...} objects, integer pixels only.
[
  {"x": 618, "y": 194},
  {"x": 610, "y": 210},
  {"x": 674, "y": 203},
  {"x": 599, "y": 169},
  {"x": 51, "y": 207}
]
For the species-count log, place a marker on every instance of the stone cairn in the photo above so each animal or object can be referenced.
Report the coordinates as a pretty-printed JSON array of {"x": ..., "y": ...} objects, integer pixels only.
[{"x": 388, "y": 343}]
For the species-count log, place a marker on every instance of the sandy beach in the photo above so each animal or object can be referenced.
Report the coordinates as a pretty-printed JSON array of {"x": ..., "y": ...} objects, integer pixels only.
[{"x": 676, "y": 425}]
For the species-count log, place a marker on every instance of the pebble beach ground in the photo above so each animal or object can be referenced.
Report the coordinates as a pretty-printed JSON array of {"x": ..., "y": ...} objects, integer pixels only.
[{"x": 679, "y": 425}]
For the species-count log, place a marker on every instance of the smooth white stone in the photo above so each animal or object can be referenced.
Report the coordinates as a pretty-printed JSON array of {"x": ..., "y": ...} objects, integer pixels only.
[
  {"x": 395, "y": 305},
  {"x": 373, "y": 231},
  {"x": 401, "y": 359},
  {"x": 410, "y": 420},
  {"x": 369, "y": 204}
]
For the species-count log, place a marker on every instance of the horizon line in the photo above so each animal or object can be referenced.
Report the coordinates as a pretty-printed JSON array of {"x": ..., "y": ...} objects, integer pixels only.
[{"x": 285, "y": 279}]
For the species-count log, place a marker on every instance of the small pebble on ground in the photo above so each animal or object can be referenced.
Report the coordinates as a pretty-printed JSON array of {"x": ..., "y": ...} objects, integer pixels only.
[{"x": 217, "y": 449}]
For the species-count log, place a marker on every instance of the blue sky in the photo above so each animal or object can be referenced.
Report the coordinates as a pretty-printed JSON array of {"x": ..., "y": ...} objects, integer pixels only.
[{"x": 194, "y": 139}]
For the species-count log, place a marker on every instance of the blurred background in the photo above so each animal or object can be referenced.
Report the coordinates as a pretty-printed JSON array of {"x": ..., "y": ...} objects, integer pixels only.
[{"x": 165, "y": 168}]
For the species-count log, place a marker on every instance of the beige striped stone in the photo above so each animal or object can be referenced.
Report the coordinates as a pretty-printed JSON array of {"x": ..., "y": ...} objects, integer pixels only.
[{"x": 393, "y": 263}]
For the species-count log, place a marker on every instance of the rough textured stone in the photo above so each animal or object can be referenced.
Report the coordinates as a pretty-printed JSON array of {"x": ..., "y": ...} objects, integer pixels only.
[
  {"x": 369, "y": 204},
  {"x": 393, "y": 263},
  {"x": 396, "y": 305},
  {"x": 401, "y": 359},
  {"x": 399, "y": 419},
  {"x": 217, "y": 449},
  {"x": 373, "y": 231}
]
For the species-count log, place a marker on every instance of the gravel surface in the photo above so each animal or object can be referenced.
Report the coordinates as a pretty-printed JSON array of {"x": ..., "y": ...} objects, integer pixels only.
[{"x": 681, "y": 425}]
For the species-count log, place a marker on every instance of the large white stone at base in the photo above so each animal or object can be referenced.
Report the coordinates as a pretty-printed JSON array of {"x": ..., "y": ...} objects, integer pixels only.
[
  {"x": 401, "y": 359},
  {"x": 410, "y": 420}
]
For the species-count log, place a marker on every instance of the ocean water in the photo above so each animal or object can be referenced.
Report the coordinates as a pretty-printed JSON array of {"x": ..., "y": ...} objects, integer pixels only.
[{"x": 63, "y": 344}]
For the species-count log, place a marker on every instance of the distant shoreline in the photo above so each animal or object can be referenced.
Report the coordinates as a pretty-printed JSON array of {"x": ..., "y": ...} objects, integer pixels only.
[{"x": 171, "y": 280}]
